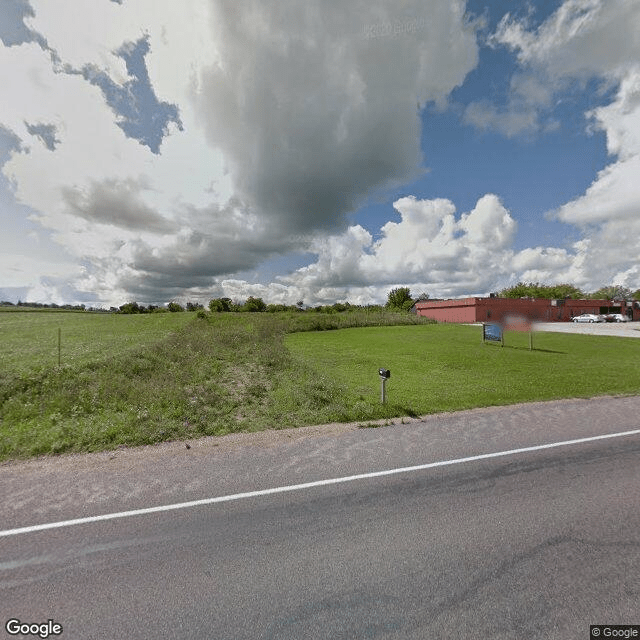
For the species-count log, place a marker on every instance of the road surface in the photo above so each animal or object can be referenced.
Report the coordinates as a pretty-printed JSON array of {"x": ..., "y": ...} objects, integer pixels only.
[{"x": 538, "y": 543}]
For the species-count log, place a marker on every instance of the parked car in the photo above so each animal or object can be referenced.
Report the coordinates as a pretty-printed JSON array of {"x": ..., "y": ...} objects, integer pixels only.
[
  {"x": 616, "y": 317},
  {"x": 587, "y": 317}
]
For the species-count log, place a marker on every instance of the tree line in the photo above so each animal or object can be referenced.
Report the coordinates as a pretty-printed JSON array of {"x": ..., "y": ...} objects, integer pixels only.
[
  {"x": 398, "y": 299},
  {"x": 49, "y": 305},
  {"x": 563, "y": 291}
]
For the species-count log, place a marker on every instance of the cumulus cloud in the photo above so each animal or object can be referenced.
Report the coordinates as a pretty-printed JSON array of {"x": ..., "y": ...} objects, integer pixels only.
[
  {"x": 169, "y": 146},
  {"x": 585, "y": 39},
  {"x": 582, "y": 39},
  {"x": 115, "y": 202},
  {"x": 269, "y": 124},
  {"x": 312, "y": 114},
  {"x": 429, "y": 248},
  {"x": 609, "y": 211}
]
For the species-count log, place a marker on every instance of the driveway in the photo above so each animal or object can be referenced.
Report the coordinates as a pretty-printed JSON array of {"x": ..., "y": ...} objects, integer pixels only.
[{"x": 619, "y": 329}]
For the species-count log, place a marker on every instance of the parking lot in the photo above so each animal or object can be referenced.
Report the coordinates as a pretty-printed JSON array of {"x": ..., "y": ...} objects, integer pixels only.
[{"x": 620, "y": 329}]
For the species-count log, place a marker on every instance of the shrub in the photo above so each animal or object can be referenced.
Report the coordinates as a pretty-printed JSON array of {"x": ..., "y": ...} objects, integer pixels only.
[
  {"x": 399, "y": 298},
  {"x": 218, "y": 305},
  {"x": 254, "y": 304}
]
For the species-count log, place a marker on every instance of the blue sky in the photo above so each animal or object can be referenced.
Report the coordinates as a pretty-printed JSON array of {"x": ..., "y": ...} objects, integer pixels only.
[{"x": 152, "y": 150}]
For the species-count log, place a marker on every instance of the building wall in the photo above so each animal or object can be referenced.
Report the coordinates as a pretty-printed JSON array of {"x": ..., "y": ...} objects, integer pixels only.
[
  {"x": 463, "y": 310},
  {"x": 496, "y": 309}
]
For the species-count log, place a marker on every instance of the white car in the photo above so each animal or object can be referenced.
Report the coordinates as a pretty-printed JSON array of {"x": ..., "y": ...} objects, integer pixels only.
[
  {"x": 587, "y": 317},
  {"x": 616, "y": 317}
]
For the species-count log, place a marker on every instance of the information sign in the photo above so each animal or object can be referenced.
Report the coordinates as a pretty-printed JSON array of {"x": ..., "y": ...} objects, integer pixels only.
[{"x": 492, "y": 332}]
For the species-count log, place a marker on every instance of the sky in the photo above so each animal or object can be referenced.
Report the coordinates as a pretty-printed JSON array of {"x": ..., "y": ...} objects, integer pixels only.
[{"x": 324, "y": 151}]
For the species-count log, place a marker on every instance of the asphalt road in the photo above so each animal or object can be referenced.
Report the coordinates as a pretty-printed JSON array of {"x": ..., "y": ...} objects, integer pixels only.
[{"x": 536, "y": 544}]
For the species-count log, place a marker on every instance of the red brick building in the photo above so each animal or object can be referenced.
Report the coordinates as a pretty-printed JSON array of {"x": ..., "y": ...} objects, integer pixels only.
[{"x": 494, "y": 309}]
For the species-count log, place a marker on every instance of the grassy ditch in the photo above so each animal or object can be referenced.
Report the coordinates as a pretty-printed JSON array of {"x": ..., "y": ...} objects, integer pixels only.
[{"x": 130, "y": 380}]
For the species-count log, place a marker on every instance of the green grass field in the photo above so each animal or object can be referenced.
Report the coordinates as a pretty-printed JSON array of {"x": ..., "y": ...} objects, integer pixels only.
[
  {"x": 29, "y": 339},
  {"x": 446, "y": 367},
  {"x": 140, "y": 379}
]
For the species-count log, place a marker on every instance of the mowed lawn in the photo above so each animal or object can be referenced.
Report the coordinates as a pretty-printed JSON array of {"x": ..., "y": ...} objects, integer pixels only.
[{"x": 446, "y": 367}]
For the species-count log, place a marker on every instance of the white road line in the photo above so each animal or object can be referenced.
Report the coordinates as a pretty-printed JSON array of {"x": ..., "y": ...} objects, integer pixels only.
[{"x": 308, "y": 485}]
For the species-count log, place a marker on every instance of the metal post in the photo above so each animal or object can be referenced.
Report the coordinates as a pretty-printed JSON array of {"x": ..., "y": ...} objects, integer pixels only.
[
  {"x": 383, "y": 394},
  {"x": 59, "y": 332}
]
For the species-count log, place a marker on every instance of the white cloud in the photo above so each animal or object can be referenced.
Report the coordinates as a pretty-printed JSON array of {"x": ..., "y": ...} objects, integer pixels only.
[
  {"x": 583, "y": 37},
  {"x": 609, "y": 211},
  {"x": 529, "y": 96},
  {"x": 586, "y": 39},
  {"x": 429, "y": 249},
  {"x": 20, "y": 270},
  {"x": 104, "y": 27},
  {"x": 311, "y": 114},
  {"x": 291, "y": 117}
]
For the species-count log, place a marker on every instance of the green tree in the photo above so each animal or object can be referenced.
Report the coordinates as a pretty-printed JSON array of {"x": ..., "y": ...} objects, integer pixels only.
[
  {"x": 399, "y": 299},
  {"x": 220, "y": 304},
  {"x": 520, "y": 290},
  {"x": 612, "y": 292},
  {"x": 254, "y": 304},
  {"x": 561, "y": 291},
  {"x": 174, "y": 307},
  {"x": 132, "y": 307},
  {"x": 545, "y": 291}
]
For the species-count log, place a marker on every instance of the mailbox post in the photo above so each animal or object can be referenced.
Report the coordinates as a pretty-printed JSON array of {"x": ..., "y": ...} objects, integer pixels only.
[{"x": 384, "y": 374}]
